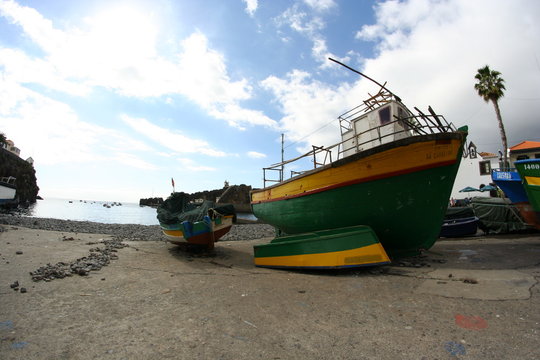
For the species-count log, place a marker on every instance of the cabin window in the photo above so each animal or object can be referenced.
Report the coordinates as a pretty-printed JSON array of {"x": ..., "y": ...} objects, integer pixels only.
[
  {"x": 522, "y": 157},
  {"x": 384, "y": 115},
  {"x": 537, "y": 156},
  {"x": 485, "y": 167}
]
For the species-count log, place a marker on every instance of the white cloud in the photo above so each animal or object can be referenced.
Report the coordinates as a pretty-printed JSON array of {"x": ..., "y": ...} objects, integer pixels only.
[
  {"x": 191, "y": 165},
  {"x": 52, "y": 133},
  {"x": 311, "y": 26},
  {"x": 251, "y": 6},
  {"x": 432, "y": 60},
  {"x": 320, "y": 5},
  {"x": 117, "y": 50},
  {"x": 256, "y": 155},
  {"x": 170, "y": 139},
  {"x": 133, "y": 161},
  {"x": 309, "y": 106}
]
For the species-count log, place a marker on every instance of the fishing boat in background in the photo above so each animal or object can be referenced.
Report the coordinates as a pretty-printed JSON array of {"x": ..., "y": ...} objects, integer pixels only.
[
  {"x": 8, "y": 190},
  {"x": 510, "y": 183},
  {"x": 459, "y": 221},
  {"x": 393, "y": 172},
  {"x": 202, "y": 223},
  {"x": 529, "y": 171}
]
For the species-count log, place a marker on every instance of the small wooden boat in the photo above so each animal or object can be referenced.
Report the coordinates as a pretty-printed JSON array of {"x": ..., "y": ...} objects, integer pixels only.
[
  {"x": 336, "y": 248},
  {"x": 202, "y": 223},
  {"x": 394, "y": 173},
  {"x": 459, "y": 227},
  {"x": 8, "y": 190},
  {"x": 529, "y": 170}
]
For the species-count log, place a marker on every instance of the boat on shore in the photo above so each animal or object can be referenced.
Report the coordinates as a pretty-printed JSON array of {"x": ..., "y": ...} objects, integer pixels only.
[
  {"x": 394, "y": 173},
  {"x": 510, "y": 182},
  {"x": 8, "y": 190},
  {"x": 529, "y": 171},
  {"x": 201, "y": 223}
]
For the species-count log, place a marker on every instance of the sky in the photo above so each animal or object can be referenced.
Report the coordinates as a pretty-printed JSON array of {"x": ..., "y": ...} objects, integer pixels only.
[{"x": 114, "y": 98}]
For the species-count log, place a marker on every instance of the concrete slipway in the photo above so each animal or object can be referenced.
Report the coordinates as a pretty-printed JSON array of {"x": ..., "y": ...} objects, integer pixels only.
[{"x": 469, "y": 299}]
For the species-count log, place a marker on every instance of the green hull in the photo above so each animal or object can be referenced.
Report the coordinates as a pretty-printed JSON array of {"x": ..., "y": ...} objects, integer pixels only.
[
  {"x": 529, "y": 171},
  {"x": 405, "y": 211},
  {"x": 337, "y": 248}
]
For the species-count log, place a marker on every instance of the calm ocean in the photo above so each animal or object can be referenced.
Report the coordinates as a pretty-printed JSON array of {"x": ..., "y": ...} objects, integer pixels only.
[{"x": 127, "y": 213}]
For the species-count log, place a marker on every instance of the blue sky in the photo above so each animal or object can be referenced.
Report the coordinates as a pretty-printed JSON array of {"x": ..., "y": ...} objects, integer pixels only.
[{"x": 112, "y": 99}]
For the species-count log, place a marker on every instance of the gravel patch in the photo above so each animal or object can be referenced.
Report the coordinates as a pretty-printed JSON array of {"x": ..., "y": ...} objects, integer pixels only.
[{"x": 128, "y": 232}]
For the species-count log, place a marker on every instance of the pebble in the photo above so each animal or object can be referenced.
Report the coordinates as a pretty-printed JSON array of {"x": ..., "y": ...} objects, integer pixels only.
[
  {"x": 127, "y": 232},
  {"x": 102, "y": 256}
]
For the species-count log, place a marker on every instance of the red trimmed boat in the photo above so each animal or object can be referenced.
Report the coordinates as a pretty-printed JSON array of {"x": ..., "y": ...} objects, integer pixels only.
[
  {"x": 394, "y": 173},
  {"x": 196, "y": 223}
]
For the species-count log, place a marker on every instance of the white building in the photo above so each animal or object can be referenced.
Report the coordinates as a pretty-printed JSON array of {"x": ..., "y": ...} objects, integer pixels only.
[{"x": 475, "y": 170}]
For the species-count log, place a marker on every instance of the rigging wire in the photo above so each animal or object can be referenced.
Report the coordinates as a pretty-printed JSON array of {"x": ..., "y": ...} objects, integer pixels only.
[{"x": 311, "y": 133}]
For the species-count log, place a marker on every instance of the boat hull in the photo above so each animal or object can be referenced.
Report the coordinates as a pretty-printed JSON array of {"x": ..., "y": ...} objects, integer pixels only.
[
  {"x": 512, "y": 185},
  {"x": 459, "y": 227},
  {"x": 199, "y": 233},
  {"x": 338, "y": 248},
  {"x": 7, "y": 193},
  {"x": 529, "y": 171},
  {"x": 401, "y": 190}
]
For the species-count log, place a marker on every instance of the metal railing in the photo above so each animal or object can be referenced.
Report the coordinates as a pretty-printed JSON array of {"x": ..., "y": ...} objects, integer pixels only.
[{"x": 412, "y": 125}]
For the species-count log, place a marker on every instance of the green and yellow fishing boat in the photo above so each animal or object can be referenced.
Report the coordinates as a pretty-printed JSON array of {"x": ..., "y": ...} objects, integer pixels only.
[
  {"x": 394, "y": 173},
  {"x": 529, "y": 171}
]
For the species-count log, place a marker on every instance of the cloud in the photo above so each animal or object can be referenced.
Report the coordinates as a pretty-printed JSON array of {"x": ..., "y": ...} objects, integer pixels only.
[
  {"x": 310, "y": 25},
  {"x": 309, "y": 106},
  {"x": 251, "y": 6},
  {"x": 321, "y": 5},
  {"x": 191, "y": 165},
  {"x": 117, "y": 49},
  {"x": 170, "y": 139},
  {"x": 430, "y": 60},
  {"x": 432, "y": 50},
  {"x": 256, "y": 155},
  {"x": 52, "y": 133}
]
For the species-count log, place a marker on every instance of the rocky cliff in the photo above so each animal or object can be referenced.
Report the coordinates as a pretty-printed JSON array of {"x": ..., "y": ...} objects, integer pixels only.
[
  {"x": 12, "y": 165},
  {"x": 237, "y": 195}
]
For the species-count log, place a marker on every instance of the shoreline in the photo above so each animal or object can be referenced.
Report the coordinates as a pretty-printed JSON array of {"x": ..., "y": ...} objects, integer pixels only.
[{"x": 243, "y": 230}]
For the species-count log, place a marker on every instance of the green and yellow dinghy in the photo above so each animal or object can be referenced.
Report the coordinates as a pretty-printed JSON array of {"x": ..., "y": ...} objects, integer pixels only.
[{"x": 336, "y": 248}]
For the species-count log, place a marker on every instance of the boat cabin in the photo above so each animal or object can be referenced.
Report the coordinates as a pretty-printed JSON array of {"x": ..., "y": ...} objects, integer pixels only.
[{"x": 372, "y": 127}]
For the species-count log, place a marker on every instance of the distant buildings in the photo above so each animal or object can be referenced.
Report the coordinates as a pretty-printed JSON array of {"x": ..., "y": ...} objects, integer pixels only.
[
  {"x": 525, "y": 150},
  {"x": 475, "y": 170},
  {"x": 10, "y": 146}
]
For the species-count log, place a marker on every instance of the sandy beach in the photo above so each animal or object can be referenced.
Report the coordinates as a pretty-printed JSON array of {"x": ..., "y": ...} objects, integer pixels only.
[{"x": 474, "y": 298}]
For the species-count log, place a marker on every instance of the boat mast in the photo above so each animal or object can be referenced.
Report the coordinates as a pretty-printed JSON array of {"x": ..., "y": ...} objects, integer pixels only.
[
  {"x": 367, "y": 77},
  {"x": 282, "y": 157}
]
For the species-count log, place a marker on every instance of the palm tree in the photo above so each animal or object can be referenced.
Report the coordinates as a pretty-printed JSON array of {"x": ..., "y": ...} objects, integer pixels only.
[{"x": 490, "y": 87}]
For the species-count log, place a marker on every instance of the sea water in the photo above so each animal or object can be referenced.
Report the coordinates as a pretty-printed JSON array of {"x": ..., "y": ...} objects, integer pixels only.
[
  {"x": 99, "y": 211},
  {"x": 95, "y": 211}
]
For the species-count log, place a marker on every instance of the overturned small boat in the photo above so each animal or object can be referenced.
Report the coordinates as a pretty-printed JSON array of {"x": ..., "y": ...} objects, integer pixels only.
[
  {"x": 202, "y": 223},
  {"x": 393, "y": 173}
]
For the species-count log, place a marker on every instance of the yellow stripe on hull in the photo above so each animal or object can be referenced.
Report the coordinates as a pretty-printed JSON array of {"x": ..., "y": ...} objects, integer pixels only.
[
  {"x": 397, "y": 160},
  {"x": 532, "y": 180},
  {"x": 367, "y": 255},
  {"x": 174, "y": 236}
]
